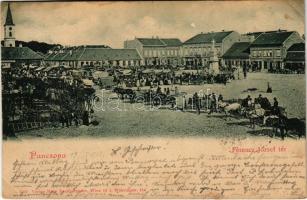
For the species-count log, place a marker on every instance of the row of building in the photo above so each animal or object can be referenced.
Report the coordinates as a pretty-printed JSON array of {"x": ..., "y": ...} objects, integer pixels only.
[{"x": 260, "y": 50}]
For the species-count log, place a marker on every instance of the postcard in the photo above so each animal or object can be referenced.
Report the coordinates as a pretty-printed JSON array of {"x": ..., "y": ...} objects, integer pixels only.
[{"x": 159, "y": 99}]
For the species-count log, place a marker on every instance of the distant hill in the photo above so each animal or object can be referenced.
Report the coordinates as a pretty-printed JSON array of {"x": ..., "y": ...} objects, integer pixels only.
[{"x": 41, "y": 47}]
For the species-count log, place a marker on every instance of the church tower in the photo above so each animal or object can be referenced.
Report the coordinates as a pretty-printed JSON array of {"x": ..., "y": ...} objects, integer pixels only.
[{"x": 9, "y": 29}]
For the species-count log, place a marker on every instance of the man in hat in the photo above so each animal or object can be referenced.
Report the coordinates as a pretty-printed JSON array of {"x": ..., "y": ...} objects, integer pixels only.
[{"x": 275, "y": 108}]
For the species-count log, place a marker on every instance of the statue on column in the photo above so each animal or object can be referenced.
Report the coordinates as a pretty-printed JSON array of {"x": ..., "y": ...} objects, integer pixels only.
[{"x": 214, "y": 68}]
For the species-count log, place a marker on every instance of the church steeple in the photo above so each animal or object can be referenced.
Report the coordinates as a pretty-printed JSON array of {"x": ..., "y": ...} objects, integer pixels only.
[
  {"x": 9, "y": 29},
  {"x": 9, "y": 18}
]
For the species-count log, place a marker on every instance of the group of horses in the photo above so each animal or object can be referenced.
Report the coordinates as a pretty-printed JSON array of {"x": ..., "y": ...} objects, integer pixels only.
[
  {"x": 260, "y": 113},
  {"x": 148, "y": 97},
  {"x": 265, "y": 115}
]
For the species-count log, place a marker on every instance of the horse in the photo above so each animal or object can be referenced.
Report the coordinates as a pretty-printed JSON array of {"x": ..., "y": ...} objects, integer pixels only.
[
  {"x": 294, "y": 124},
  {"x": 125, "y": 93},
  {"x": 229, "y": 108},
  {"x": 255, "y": 115}
]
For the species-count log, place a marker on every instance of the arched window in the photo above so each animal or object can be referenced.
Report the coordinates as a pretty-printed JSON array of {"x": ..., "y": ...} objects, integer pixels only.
[
  {"x": 10, "y": 28},
  {"x": 10, "y": 34},
  {"x": 11, "y": 45}
]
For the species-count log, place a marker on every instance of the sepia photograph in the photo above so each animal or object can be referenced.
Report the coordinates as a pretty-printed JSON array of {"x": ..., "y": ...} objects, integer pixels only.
[
  {"x": 174, "y": 72},
  {"x": 159, "y": 74}
]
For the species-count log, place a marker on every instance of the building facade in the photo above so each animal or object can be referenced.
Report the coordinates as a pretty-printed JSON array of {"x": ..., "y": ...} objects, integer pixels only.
[
  {"x": 157, "y": 51},
  {"x": 269, "y": 50},
  {"x": 196, "y": 50},
  {"x": 83, "y": 56},
  {"x": 237, "y": 55},
  {"x": 295, "y": 59}
]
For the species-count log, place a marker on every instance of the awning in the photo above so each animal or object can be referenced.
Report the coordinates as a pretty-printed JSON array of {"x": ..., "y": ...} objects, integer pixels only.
[
  {"x": 127, "y": 72},
  {"x": 147, "y": 71},
  {"x": 166, "y": 70},
  {"x": 100, "y": 74},
  {"x": 87, "y": 82},
  {"x": 40, "y": 68},
  {"x": 33, "y": 66},
  {"x": 190, "y": 71},
  {"x": 157, "y": 71},
  {"x": 49, "y": 68}
]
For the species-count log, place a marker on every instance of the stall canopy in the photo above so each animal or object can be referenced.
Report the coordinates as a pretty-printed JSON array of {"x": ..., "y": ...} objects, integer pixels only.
[
  {"x": 87, "y": 82},
  {"x": 33, "y": 66},
  {"x": 127, "y": 72},
  {"x": 39, "y": 68},
  {"x": 100, "y": 74},
  {"x": 49, "y": 68},
  {"x": 147, "y": 71}
]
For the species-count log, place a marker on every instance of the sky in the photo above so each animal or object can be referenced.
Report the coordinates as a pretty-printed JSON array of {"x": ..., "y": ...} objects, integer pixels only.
[{"x": 111, "y": 23}]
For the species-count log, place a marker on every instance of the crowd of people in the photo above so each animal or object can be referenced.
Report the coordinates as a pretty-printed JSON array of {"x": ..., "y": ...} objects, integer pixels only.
[
  {"x": 168, "y": 77},
  {"x": 30, "y": 95}
]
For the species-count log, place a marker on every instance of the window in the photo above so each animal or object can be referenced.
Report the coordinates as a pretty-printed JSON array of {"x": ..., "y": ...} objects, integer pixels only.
[
  {"x": 278, "y": 53},
  {"x": 10, "y": 28},
  {"x": 254, "y": 53},
  {"x": 10, "y": 34},
  {"x": 270, "y": 53}
]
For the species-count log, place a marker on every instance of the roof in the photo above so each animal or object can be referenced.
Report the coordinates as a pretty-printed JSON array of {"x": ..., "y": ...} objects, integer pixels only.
[
  {"x": 295, "y": 56},
  {"x": 208, "y": 37},
  {"x": 297, "y": 47},
  {"x": 110, "y": 54},
  {"x": 238, "y": 50},
  {"x": 255, "y": 34},
  {"x": 19, "y": 53},
  {"x": 9, "y": 18},
  {"x": 94, "y": 54},
  {"x": 151, "y": 41},
  {"x": 160, "y": 42},
  {"x": 270, "y": 39},
  {"x": 171, "y": 42}
]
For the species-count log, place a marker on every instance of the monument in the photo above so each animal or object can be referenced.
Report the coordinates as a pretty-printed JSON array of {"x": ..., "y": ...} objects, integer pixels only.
[{"x": 214, "y": 68}]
